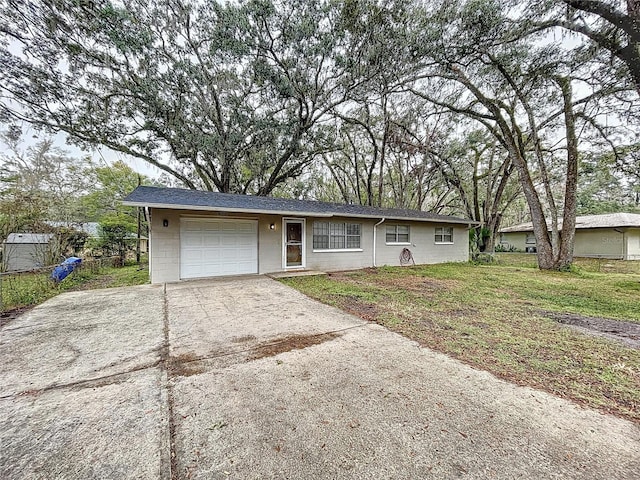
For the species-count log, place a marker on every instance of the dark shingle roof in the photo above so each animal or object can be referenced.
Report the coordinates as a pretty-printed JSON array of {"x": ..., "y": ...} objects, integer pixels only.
[{"x": 181, "y": 199}]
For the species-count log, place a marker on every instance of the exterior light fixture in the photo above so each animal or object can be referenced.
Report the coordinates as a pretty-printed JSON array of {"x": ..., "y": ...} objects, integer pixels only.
[
  {"x": 272, "y": 226},
  {"x": 165, "y": 223}
]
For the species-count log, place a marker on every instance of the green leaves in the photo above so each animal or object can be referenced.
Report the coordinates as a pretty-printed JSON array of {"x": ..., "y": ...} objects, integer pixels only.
[{"x": 200, "y": 90}]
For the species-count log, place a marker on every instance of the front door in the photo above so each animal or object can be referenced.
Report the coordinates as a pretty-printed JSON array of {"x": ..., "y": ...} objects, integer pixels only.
[{"x": 293, "y": 243}]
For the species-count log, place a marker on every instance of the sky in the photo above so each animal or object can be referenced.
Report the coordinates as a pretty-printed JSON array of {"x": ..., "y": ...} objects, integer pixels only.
[{"x": 101, "y": 155}]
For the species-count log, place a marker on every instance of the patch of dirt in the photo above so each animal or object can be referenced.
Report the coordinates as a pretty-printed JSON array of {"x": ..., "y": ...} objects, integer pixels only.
[
  {"x": 415, "y": 284},
  {"x": 411, "y": 283},
  {"x": 286, "y": 344},
  {"x": 103, "y": 281},
  {"x": 365, "y": 310},
  {"x": 185, "y": 365},
  {"x": 624, "y": 332}
]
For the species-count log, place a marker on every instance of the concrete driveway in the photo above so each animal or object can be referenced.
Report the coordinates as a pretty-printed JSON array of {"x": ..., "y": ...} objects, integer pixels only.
[{"x": 246, "y": 378}]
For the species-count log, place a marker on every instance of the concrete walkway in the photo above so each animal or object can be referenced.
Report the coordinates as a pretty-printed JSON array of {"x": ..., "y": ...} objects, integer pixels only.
[{"x": 246, "y": 378}]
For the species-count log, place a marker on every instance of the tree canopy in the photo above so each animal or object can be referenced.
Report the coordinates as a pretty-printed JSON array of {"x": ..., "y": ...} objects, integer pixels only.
[{"x": 467, "y": 107}]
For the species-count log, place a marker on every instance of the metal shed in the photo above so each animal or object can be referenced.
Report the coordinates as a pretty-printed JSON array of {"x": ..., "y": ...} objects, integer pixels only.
[{"x": 26, "y": 251}]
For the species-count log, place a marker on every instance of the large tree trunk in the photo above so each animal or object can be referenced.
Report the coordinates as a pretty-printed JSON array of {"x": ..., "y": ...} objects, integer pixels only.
[
  {"x": 495, "y": 217},
  {"x": 544, "y": 247},
  {"x": 514, "y": 143},
  {"x": 565, "y": 255}
]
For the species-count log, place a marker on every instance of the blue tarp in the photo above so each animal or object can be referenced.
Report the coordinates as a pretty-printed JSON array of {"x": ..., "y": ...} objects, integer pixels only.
[{"x": 65, "y": 268}]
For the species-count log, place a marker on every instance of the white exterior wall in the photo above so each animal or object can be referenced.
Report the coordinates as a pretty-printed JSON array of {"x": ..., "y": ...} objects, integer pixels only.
[
  {"x": 422, "y": 244},
  {"x": 164, "y": 254},
  {"x": 164, "y": 251},
  {"x": 341, "y": 260}
]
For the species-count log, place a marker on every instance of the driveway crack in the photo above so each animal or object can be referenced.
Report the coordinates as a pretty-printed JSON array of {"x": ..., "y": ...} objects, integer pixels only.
[
  {"x": 85, "y": 383},
  {"x": 165, "y": 362}
]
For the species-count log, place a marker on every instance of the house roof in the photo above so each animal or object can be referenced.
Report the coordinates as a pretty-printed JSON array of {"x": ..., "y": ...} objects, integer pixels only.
[
  {"x": 29, "y": 238},
  {"x": 607, "y": 220},
  {"x": 158, "y": 197},
  {"x": 90, "y": 228}
]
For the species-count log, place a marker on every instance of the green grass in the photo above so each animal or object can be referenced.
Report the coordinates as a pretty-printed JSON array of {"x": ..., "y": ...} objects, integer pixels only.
[
  {"x": 28, "y": 289},
  {"x": 593, "y": 265},
  {"x": 498, "y": 318}
]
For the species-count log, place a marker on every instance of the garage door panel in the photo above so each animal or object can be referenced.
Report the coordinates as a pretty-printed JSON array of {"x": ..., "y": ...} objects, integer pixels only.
[
  {"x": 191, "y": 226},
  {"x": 230, "y": 227},
  {"x": 191, "y": 239},
  {"x": 220, "y": 247},
  {"x": 230, "y": 241},
  {"x": 245, "y": 228}
]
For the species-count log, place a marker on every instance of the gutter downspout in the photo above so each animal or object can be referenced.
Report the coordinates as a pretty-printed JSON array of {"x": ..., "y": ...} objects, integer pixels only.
[
  {"x": 375, "y": 229},
  {"x": 147, "y": 217}
]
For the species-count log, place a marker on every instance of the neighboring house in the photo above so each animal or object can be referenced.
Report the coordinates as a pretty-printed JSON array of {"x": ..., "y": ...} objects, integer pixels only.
[
  {"x": 196, "y": 234},
  {"x": 90, "y": 228},
  {"x": 612, "y": 235},
  {"x": 27, "y": 251}
]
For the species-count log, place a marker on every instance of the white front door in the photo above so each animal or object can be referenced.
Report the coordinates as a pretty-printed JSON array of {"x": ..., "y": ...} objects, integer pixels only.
[
  {"x": 293, "y": 242},
  {"x": 214, "y": 247}
]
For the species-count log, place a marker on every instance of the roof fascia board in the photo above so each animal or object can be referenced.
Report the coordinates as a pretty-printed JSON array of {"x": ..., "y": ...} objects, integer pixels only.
[
  {"x": 206, "y": 208},
  {"x": 290, "y": 213}
]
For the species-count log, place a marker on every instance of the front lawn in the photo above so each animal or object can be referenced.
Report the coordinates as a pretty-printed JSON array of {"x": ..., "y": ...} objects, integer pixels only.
[{"x": 501, "y": 318}]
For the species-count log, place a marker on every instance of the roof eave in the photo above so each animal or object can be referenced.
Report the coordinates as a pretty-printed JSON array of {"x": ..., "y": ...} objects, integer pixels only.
[
  {"x": 578, "y": 227},
  {"x": 207, "y": 208}
]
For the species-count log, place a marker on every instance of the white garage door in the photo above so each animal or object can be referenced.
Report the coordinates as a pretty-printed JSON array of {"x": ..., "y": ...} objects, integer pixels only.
[{"x": 214, "y": 247}]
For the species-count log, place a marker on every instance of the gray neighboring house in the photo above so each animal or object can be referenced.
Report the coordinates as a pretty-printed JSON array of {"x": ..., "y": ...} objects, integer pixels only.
[
  {"x": 197, "y": 234},
  {"x": 90, "y": 228},
  {"x": 611, "y": 235},
  {"x": 26, "y": 251}
]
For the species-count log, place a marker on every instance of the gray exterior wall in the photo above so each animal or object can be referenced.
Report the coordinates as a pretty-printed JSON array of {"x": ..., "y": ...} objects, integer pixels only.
[
  {"x": 25, "y": 256},
  {"x": 164, "y": 251},
  {"x": 599, "y": 242},
  {"x": 623, "y": 243},
  {"x": 515, "y": 239}
]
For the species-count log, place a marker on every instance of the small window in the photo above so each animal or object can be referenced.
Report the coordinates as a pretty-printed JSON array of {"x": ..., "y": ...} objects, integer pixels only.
[
  {"x": 444, "y": 234},
  {"x": 531, "y": 239},
  {"x": 397, "y": 234},
  {"x": 335, "y": 236}
]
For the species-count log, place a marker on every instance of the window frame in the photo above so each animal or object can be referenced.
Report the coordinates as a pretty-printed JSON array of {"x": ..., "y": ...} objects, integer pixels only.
[
  {"x": 335, "y": 233},
  {"x": 396, "y": 234},
  {"x": 443, "y": 234}
]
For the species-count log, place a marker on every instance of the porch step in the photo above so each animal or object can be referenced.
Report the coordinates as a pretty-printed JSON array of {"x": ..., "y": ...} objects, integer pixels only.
[{"x": 295, "y": 273}]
